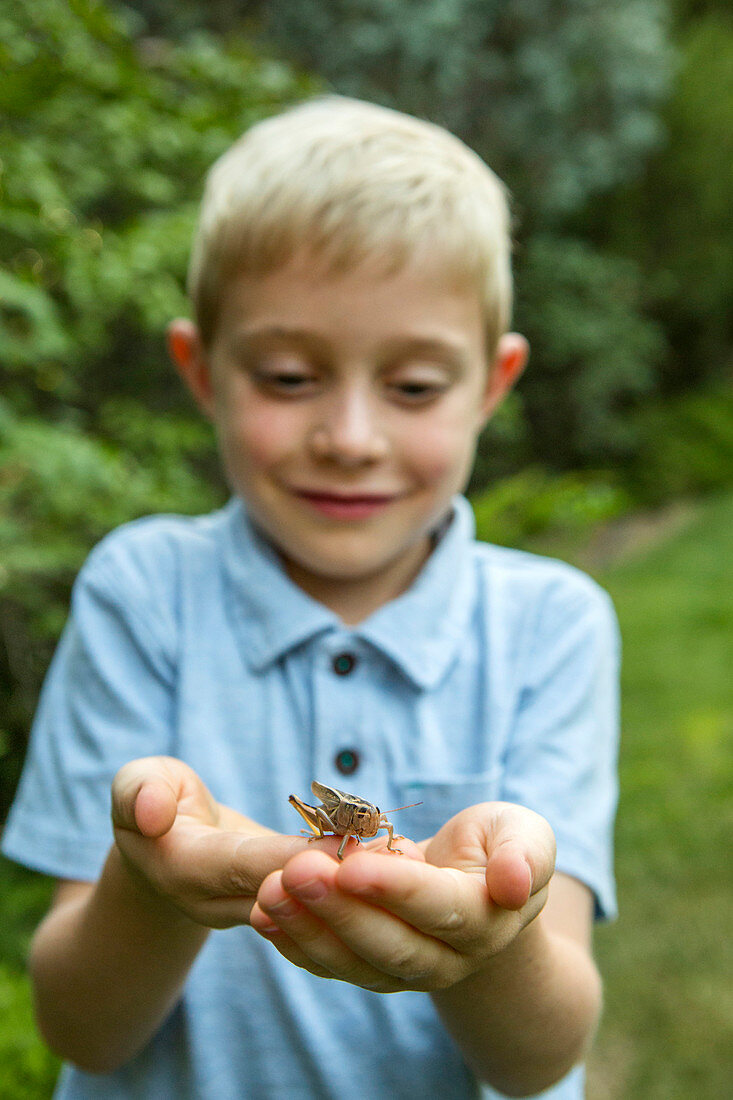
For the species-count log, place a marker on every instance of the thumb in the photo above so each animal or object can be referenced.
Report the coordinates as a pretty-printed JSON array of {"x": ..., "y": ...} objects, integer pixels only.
[
  {"x": 520, "y": 857},
  {"x": 145, "y": 796}
]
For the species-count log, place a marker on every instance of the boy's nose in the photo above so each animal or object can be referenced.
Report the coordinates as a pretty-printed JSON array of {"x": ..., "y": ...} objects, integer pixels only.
[{"x": 349, "y": 430}]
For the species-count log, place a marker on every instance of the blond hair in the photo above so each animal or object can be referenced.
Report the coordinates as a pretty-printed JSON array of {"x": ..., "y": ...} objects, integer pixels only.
[{"x": 348, "y": 182}]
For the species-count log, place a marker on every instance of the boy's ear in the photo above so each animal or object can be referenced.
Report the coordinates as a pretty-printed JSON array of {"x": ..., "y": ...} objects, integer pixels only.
[
  {"x": 509, "y": 362},
  {"x": 191, "y": 362}
]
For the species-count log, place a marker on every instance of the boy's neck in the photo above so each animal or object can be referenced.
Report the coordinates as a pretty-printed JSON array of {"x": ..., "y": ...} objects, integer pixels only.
[{"x": 354, "y": 600}]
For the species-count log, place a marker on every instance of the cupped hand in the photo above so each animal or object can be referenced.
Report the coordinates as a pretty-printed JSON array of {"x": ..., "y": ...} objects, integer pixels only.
[
  {"x": 204, "y": 858},
  {"x": 423, "y": 920}
]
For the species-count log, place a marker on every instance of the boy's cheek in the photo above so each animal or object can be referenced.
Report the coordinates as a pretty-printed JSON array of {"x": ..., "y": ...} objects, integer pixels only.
[
  {"x": 254, "y": 438},
  {"x": 445, "y": 456}
]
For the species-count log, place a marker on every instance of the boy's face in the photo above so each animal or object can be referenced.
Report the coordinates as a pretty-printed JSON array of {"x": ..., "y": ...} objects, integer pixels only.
[{"x": 347, "y": 409}]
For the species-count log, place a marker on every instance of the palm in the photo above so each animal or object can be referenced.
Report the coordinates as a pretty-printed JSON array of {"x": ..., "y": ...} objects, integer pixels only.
[{"x": 482, "y": 840}]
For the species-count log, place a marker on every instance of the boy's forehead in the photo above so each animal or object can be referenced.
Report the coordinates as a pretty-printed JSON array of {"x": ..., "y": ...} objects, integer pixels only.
[
  {"x": 304, "y": 296},
  {"x": 306, "y": 276}
]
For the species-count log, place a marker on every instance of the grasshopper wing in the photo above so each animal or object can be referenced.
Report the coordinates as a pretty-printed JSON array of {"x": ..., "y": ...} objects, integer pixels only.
[{"x": 331, "y": 797}]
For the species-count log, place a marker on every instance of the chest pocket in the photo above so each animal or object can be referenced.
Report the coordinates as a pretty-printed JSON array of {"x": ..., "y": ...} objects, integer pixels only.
[{"x": 441, "y": 799}]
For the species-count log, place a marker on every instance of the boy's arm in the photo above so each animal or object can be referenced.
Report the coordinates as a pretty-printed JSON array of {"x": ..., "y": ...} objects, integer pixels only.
[
  {"x": 526, "y": 1017},
  {"x": 107, "y": 965},
  {"x": 109, "y": 960}
]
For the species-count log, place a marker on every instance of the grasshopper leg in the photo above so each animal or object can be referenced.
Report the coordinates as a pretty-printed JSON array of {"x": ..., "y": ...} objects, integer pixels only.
[
  {"x": 391, "y": 839},
  {"x": 344, "y": 842}
]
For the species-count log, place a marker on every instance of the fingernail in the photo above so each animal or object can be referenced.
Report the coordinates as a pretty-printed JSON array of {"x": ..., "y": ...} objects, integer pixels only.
[
  {"x": 285, "y": 908},
  {"x": 529, "y": 869},
  {"x": 312, "y": 890},
  {"x": 266, "y": 929}
]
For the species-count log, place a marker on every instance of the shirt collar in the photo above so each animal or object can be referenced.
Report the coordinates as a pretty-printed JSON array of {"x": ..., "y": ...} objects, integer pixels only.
[
  {"x": 420, "y": 631},
  {"x": 274, "y": 613}
]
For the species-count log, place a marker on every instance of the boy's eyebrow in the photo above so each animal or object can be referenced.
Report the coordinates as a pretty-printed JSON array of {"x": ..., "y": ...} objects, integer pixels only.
[
  {"x": 261, "y": 334},
  {"x": 442, "y": 347}
]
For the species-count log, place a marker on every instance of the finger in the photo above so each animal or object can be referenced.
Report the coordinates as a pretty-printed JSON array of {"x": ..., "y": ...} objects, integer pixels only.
[
  {"x": 384, "y": 944},
  {"x": 520, "y": 857},
  {"x": 218, "y": 864},
  {"x": 209, "y": 874},
  {"x": 405, "y": 848},
  {"x": 509, "y": 876},
  {"x": 308, "y": 942},
  {"x": 155, "y": 808},
  {"x": 145, "y": 797},
  {"x": 288, "y": 948},
  {"x": 509, "y": 844},
  {"x": 227, "y": 865},
  {"x": 441, "y": 902},
  {"x": 447, "y": 905}
]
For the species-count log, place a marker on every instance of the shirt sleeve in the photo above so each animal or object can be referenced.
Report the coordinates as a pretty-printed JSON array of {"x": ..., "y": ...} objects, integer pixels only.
[
  {"x": 562, "y": 760},
  {"x": 108, "y": 698}
]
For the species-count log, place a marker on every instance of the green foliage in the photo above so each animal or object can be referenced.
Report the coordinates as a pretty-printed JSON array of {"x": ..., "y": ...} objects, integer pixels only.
[
  {"x": 178, "y": 18},
  {"x": 693, "y": 231},
  {"x": 105, "y": 144},
  {"x": 536, "y": 502},
  {"x": 61, "y": 489},
  {"x": 559, "y": 98},
  {"x": 597, "y": 353},
  {"x": 686, "y": 447},
  {"x": 676, "y": 221},
  {"x": 105, "y": 147},
  {"x": 24, "y": 898},
  {"x": 683, "y": 449}
]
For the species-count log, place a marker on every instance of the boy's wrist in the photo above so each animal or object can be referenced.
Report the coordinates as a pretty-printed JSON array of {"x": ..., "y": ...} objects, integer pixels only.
[
  {"x": 506, "y": 964},
  {"x": 124, "y": 877}
]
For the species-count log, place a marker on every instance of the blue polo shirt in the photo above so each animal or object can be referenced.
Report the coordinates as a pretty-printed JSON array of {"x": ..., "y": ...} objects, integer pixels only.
[{"x": 493, "y": 677}]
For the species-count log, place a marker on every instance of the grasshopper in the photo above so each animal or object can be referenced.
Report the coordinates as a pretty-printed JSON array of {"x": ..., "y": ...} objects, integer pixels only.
[{"x": 345, "y": 815}]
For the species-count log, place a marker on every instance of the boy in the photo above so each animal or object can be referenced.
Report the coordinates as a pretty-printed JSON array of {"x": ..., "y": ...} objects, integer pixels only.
[{"x": 337, "y": 621}]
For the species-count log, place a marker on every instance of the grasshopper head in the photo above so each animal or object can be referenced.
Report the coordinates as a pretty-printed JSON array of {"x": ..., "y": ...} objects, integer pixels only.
[{"x": 366, "y": 819}]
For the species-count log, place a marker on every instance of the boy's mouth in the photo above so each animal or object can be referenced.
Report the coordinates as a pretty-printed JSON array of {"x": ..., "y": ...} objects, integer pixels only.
[{"x": 345, "y": 505}]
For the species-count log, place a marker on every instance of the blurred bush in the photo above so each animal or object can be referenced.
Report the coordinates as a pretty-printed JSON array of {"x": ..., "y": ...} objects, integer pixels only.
[
  {"x": 538, "y": 502},
  {"x": 685, "y": 447},
  {"x": 675, "y": 220},
  {"x": 106, "y": 142},
  {"x": 106, "y": 139},
  {"x": 594, "y": 355}
]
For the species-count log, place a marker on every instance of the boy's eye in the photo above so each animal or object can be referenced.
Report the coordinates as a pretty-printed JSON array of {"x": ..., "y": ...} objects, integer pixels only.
[
  {"x": 416, "y": 390},
  {"x": 419, "y": 385},
  {"x": 286, "y": 375}
]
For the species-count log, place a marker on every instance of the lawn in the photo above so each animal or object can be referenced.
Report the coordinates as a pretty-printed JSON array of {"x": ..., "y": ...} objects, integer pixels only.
[
  {"x": 27, "y": 1070},
  {"x": 667, "y": 960}
]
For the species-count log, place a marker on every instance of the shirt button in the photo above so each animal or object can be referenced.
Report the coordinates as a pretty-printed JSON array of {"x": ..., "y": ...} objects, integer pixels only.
[
  {"x": 347, "y": 761},
  {"x": 343, "y": 664}
]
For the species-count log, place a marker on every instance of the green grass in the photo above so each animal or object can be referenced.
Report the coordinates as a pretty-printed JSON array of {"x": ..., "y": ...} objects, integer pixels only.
[
  {"x": 27, "y": 1070},
  {"x": 667, "y": 960}
]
